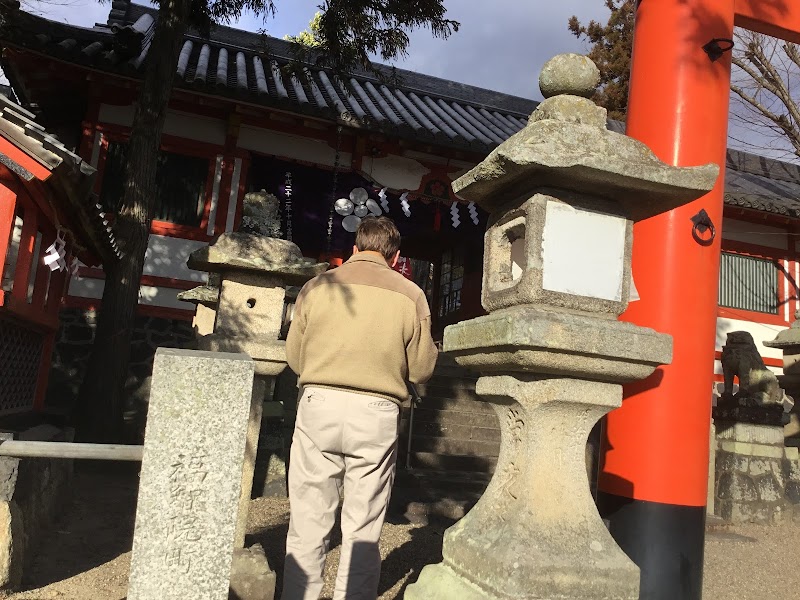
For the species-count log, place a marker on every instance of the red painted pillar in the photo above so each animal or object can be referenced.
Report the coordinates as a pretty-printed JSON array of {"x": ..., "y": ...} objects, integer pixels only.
[{"x": 653, "y": 484}]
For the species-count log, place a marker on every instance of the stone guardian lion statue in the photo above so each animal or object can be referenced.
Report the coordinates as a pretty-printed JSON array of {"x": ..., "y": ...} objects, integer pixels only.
[{"x": 757, "y": 384}]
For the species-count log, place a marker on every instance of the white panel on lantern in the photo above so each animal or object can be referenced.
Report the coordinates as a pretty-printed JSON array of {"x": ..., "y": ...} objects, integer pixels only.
[{"x": 583, "y": 252}]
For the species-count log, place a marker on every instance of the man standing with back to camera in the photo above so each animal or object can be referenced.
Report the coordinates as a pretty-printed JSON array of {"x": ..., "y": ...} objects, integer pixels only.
[{"x": 359, "y": 333}]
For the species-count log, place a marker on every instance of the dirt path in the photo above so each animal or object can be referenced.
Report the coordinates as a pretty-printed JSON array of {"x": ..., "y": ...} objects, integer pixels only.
[{"x": 88, "y": 555}]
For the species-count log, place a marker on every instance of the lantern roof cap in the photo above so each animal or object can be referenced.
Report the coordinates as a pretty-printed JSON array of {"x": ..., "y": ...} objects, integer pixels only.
[{"x": 566, "y": 145}]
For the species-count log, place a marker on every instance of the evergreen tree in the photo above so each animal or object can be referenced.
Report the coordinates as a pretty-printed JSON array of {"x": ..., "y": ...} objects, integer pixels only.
[{"x": 611, "y": 47}]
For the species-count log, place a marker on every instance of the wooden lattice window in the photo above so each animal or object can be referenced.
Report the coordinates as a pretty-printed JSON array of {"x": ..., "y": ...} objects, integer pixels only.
[
  {"x": 451, "y": 280},
  {"x": 749, "y": 283}
]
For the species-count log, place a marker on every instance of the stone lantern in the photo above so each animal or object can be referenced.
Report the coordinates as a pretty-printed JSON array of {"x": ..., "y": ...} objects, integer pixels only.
[
  {"x": 254, "y": 272},
  {"x": 562, "y": 194}
]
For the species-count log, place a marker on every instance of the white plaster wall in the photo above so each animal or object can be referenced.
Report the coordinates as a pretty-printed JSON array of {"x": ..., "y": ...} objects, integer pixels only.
[
  {"x": 286, "y": 145},
  {"x": 167, "y": 256},
  {"x": 761, "y": 333},
  {"x": 395, "y": 172},
  {"x": 86, "y": 287},
  {"x": 754, "y": 233},
  {"x": 161, "y": 296},
  {"x": 10, "y": 260},
  {"x": 178, "y": 123},
  {"x": 148, "y": 295}
]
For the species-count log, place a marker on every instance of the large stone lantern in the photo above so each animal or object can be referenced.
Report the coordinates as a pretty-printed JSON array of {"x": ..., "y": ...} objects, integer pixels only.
[{"x": 563, "y": 194}]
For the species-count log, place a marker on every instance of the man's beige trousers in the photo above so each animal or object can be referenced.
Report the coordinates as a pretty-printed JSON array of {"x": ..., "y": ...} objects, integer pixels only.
[{"x": 340, "y": 437}]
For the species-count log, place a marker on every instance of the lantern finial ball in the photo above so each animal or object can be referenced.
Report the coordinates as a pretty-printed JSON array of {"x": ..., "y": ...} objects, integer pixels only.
[{"x": 571, "y": 74}]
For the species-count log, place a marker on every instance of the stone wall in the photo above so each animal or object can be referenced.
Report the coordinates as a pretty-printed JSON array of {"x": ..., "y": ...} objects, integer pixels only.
[
  {"x": 33, "y": 492},
  {"x": 757, "y": 480},
  {"x": 74, "y": 345}
]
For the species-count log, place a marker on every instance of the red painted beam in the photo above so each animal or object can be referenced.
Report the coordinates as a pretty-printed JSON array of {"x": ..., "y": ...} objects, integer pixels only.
[
  {"x": 778, "y": 18},
  {"x": 24, "y": 160}
]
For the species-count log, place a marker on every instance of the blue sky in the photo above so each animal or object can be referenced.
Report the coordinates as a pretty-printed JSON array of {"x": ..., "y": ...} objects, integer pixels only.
[{"x": 501, "y": 45}]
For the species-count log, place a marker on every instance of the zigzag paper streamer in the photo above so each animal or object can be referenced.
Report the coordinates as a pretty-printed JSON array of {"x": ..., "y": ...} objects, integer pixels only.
[
  {"x": 473, "y": 212},
  {"x": 455, "y": 215},
  {"x": 54, "y": 255},
  {"x": 73, "y": 268},
  {"x": 404, "y": 204},
  {"x": 384, "y": 200}
]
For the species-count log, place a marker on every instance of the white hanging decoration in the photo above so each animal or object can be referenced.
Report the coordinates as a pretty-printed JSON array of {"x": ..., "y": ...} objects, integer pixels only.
[
  {"x": 473, "y": 212},
  {"x": 73, "y": 268},
  {"x": 404, "y": 204},
  {"x": 55, "y": 253},
  {"x": 384, "y": 200},
  {"x": 355, "y": 208},
  {"x": 359, "y": 196},
  {"x": 287, "y": 204},
  {"x": 454, "y": 215}
]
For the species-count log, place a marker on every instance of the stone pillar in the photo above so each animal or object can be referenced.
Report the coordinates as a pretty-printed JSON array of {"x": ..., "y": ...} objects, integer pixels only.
[
  {"x": 254, "y": 272},
  {"x": 562, "y": 195},
  {"x": 186, "y": 513}
]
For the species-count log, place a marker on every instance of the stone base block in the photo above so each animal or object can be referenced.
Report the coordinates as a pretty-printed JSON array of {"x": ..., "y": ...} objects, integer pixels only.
[
  {"x": 33, "y": 492},
  {"x": 442, "y": 582},
  {"x": 251, "y": 576},
  {"x": 756, "y": 483}
]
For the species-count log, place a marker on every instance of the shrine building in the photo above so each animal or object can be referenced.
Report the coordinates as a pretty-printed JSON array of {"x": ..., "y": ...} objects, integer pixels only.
[{"x": 239, "y": 121}]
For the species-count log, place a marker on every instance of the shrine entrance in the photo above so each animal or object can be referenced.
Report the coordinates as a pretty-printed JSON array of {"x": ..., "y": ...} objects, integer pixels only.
[
  {"x": 653, "y": 483},
  {"x": 447, "y": 265}
]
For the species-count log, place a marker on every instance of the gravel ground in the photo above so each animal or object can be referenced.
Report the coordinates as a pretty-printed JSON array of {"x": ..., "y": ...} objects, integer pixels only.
[{"x": 88, "y": 554}]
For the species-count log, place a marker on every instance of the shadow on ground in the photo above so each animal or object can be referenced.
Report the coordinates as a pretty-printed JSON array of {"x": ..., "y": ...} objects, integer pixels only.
[
  {"x": 94, "y": 529},
  {"x": 406, "y": 550}
]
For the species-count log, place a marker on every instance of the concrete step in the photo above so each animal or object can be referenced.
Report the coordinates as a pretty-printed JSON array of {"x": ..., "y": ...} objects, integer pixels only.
[
  {"x": 462, "y": 432},
  {"x": 443, "y": 462},
  {"x": 455, "y": 446},
  {"x": 420, "y": 495},
  {"x": 462, "y": 399},
  {"x": 426, "y": 414}
]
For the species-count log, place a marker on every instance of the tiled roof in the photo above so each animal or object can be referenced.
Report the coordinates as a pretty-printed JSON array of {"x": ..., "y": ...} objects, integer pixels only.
[
  {"x": 254, "y": 68},
  {"x": 235, "y": 64},
  {"x": 762, "y": 184},
  {"x": 17, "y": 125}
]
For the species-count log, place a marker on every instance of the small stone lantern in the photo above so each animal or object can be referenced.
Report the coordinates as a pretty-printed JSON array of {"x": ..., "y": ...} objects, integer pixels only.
[
  {"x": 254, "y": 272},
  {"x": 562, "y": 194}
]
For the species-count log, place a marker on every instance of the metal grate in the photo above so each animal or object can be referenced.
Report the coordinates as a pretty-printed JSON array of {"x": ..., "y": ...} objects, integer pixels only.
[
  {"x": 748, "y": 283},
  {"x": 20, "y": 356}
]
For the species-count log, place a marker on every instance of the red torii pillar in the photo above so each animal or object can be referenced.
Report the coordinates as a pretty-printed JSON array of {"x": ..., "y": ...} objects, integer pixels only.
[{"x": 653, "y": 483}]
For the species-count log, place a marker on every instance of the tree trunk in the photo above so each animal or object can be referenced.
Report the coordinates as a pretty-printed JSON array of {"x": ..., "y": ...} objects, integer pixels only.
[{"x": 101, "y": 400}]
